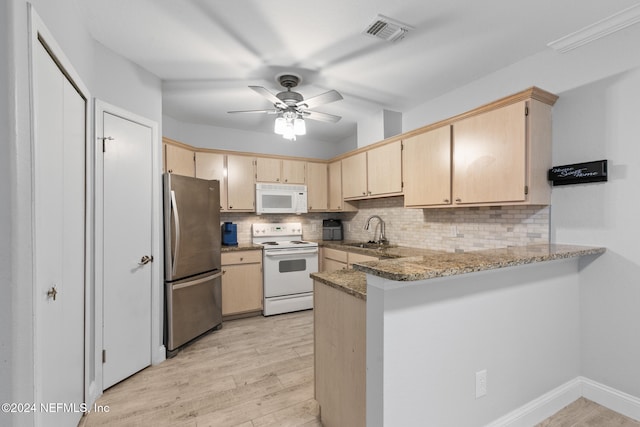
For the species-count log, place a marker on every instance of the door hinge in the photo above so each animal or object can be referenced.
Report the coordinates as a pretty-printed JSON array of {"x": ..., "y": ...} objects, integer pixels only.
[
  {"x": 526, "y": 111},
  {"x": 526, "y": 190},
  {"x": 105, "y": 138},
  {"x": 104, "y": 356},
  {"x": 401, "y": 146}
]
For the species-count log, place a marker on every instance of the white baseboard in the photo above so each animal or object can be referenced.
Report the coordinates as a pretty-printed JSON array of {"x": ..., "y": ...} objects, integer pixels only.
[
  {"x": 611, "y": 398},
  {"x": 159, "y": 356},
  {"x": 549, "y": 403}
]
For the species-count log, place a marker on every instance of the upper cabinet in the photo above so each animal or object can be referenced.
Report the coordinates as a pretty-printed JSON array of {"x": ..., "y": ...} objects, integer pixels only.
[
  {"x": 498, "y": 154},
  {"x": 212, "y": 166},
  {"x": 280, "y": 170},
  {"x": 317, "y": 187},
  {"x": 241, "y": 189},
  {"x": 427, "y": 168},
  {"x": 502, "y": 156},
  {"x": 179, "y": 160},
  {"x": 336, "y": 200},
  {"x": 373, "y": 173},
  {"x": 489, "y": 156}
]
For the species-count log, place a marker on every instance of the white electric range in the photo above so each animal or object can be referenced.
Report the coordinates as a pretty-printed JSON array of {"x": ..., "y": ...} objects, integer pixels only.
[{"x": 287, "y": 262}]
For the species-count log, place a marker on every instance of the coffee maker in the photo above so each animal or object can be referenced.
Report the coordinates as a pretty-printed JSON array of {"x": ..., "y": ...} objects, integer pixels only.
[{"x": 229, "y": 234}]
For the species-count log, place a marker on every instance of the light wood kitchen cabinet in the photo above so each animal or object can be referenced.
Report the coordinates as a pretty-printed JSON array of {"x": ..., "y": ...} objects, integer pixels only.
[
  {"x": 354, "y": 176},
  {"x": 336, "y": 201},
  {"x": 241, "y": 283},
  {"x": 179, "y": 160},
  {"x": 340, "y": 330},
  {"x": 280, "y": 170},
  {"x": 373, "y": 173},
  {"x": 336, "y": 259},
  {"x": 212, "y": 166},
  {"x": 502, "y": 156},
  {"x": 317, "y": 187},
  {"x": 241, "y": 189},
  {"x": 353, "y": 257},
  {"x": 427, "y": 168}
]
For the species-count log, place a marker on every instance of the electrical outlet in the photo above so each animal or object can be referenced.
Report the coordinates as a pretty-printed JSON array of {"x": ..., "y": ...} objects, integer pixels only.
[{"x": 481, "y": 383}]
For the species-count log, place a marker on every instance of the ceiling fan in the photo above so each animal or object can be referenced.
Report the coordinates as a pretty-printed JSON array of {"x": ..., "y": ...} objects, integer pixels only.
[{"x": 291, "y": 108}]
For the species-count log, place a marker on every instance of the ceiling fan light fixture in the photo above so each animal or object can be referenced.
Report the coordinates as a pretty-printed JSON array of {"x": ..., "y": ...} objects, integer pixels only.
[
  {"x": 299, "y": 126},
  {"x": 279, "y": 125}
]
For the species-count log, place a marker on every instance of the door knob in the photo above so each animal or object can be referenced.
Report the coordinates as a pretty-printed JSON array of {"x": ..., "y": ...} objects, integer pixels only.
[
  {"x": 146, "y": 260},
  {"x": 51, "y": 293}
]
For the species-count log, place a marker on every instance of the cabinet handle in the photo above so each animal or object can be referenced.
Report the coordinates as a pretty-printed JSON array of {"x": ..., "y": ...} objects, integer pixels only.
[
  {"x": 230, "y": 207},
  {"x": 446, "y": 200},
  {"x": 364, "y": 193},
  {"x": 286, "y": 180},
  {"x": 369, "y": 192},
  {"x": 241, "y": 259},
  {"x": 458, "y": 199},
  {"x": 224, "y": 271},
  {"x": 170, "y": 170},
  {"x": 338, "y": 206},
  {"x": 278, "y": 179}
]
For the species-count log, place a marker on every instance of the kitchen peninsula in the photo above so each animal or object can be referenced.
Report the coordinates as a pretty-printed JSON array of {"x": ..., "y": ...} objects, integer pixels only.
[{"x": 400, "y": 341}]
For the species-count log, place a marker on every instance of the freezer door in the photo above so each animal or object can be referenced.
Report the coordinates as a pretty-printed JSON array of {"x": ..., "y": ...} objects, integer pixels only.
[
  {"x": 192, "y": 226},
  {"x": 194, "y": 306}
]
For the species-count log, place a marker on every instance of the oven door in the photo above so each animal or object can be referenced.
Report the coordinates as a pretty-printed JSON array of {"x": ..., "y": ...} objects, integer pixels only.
[{"x": 286, "y": 271}]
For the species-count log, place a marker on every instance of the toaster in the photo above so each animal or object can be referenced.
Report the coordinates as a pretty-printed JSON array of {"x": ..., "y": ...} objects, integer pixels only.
[{"x": 332, "y": 229}]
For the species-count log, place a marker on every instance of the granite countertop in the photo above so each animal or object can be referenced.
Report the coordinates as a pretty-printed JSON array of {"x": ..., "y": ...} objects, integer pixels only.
[
  {"x": 450, "y": 264},
  {"x": 421, "y": 264},
  {"x": 384, "y": 251},
  {"x": 241, "y": 247}
]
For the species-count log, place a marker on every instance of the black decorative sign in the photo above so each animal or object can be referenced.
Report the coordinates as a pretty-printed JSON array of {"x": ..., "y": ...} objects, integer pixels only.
[{"x": 579, "y": 173}]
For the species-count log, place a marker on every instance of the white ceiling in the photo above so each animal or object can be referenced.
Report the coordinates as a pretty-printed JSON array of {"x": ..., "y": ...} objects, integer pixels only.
[{"x": 208, "y": 51}]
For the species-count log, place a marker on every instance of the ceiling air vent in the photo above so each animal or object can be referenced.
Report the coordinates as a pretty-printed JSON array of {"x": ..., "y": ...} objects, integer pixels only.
[{"x": 387, "y": 29}]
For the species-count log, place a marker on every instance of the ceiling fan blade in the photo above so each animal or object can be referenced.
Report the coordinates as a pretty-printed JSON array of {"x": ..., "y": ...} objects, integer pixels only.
[
  {"x": 321, "y": 117},
  {"x": 323, "y": 98},
  {"x": 254, "y": 111},
  {"x": 271, "y": 97}
]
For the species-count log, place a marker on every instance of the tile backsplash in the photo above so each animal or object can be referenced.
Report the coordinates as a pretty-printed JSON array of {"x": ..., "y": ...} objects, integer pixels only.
[{"x": 448, "y": 229}]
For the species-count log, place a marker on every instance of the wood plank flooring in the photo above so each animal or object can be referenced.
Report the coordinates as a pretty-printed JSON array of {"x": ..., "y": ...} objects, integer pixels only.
[
  {"x": 255, "y": 372},
  {"x": 252, "y": 372},
  {"x": 585, "y": 413}
]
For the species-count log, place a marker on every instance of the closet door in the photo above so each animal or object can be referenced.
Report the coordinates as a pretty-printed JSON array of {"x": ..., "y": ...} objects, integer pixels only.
[{"x": 59, "y": 245}]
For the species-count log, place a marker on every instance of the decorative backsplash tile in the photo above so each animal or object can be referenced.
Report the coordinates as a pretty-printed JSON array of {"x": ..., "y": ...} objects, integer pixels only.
[{"x": 449, "y": 229}]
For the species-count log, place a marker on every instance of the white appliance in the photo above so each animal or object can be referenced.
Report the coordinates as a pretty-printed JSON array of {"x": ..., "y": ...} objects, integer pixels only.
[
  {"x": 287, "y": 263},
  {"x": 281, "y": 198}
]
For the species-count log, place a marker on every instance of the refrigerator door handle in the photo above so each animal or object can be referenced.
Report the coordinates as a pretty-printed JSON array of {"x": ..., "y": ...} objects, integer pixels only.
[
  {"x": 197, "y": 282},
  {"x": 176, "y": 248}
]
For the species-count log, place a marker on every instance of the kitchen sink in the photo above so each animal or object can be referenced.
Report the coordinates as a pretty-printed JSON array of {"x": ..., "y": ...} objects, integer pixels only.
[{"x": 370, "y": 245}]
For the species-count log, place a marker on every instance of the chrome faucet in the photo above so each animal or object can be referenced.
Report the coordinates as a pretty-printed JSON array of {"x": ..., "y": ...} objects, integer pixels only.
[{"x": 382, "y": 239}]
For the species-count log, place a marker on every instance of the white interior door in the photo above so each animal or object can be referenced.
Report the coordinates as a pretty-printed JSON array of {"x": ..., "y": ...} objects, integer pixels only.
[
  {"x": 127, "y": 239},
  {"x": 59, "y": 212}
]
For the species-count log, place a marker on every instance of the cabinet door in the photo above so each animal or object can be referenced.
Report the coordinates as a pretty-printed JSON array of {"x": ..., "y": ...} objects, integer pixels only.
[
  {"x": 241, "y": 188},
  {"x": 317, "y": 185},
  {"x": 268, "y": 170},
  {"x": 241, "y": 288},
  {"x": 354, "y": 257},
  {"x": 354, "y": 176},
  {"x": 384, "y": 169},
  {"x": 427, "y": 168},
  {"x": 489, "y": 156},
  {"x": 179, "y": 160},
  {"x": 330, "y": 265},
  {"x": 293, "y": 171},
  {"x": 335, "y": 186},
  {"x": 211, "y": 166}
]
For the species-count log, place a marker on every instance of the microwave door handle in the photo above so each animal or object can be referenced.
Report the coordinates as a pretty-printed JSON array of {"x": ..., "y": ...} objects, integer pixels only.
[
  {"x": 176, "y": 247},
  {"x": 295, "y": 252}
]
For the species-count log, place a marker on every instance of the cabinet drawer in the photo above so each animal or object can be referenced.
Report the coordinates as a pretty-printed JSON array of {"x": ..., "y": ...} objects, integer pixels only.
[
  {"x": 335, "y": 254},
  {"x": 241, "y": 257}
]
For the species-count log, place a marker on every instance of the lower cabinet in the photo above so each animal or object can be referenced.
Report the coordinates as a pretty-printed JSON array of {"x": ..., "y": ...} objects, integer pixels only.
[
  {"x": 241, "y": 283},
  {"x": 336, "y": 259},
  {"x": 340, "y": 356}
]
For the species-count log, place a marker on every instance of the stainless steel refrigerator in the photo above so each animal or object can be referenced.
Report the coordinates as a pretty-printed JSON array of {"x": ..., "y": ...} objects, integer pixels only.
[{"x": 192, "y": 258}]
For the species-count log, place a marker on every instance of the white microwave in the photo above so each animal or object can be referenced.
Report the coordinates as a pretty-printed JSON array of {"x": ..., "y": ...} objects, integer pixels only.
[{"x": 281, "y": 198}]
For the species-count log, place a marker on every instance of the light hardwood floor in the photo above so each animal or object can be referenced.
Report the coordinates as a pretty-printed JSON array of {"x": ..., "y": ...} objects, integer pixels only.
[{"x": 254, "y": 372}]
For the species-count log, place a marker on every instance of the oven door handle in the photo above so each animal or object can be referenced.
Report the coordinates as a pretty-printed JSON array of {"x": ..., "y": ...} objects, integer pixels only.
[{"x": 294, "y": 252}]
